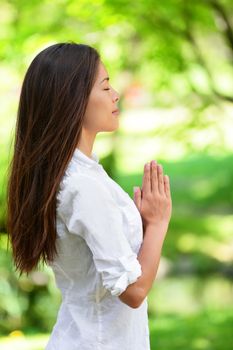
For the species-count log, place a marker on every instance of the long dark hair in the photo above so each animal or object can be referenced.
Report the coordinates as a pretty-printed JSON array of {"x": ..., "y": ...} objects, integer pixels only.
[{"x": 52, "y": 104}]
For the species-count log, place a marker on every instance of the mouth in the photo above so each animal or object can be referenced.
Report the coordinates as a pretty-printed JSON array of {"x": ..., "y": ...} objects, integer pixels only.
[{"x": 116, "y": 112}]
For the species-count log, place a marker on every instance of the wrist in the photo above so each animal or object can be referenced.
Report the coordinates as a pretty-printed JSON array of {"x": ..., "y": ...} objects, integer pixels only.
[{"x": 160, "y": 227}]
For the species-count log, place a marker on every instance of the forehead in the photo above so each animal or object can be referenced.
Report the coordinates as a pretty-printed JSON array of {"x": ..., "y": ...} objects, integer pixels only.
[{"x": 102, "y": 71}]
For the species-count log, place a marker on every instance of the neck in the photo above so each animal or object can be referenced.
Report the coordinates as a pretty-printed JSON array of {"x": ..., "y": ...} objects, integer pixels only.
[{"x": 86, "y": 142}]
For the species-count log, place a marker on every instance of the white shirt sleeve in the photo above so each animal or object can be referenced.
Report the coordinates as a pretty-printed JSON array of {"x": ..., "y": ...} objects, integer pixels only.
[{"x": 90, "y": 211}]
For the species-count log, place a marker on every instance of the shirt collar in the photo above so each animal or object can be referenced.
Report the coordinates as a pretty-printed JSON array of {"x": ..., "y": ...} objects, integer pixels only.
[{"x": 82, "y": 158}]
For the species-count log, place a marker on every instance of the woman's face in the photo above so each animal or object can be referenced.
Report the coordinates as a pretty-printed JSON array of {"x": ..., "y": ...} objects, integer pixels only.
[{"x": 99, "y": 114}]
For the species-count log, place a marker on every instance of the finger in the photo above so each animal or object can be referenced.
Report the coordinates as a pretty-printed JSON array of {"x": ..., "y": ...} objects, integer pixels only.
[
  {"x": 160, "y": 179},
  {"x": 146, "y": 186},
  {"x": 154, "y": 176},
  {"x": 167, "y": 185},
  {"x": 137, "y": 197}
]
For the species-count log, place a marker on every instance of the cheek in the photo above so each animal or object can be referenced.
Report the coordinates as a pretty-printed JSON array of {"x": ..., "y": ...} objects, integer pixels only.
[
  {"x": 97, "y": 102},
  {"x": 101, "y": 100},
  {"x": 97, "y": 107}
]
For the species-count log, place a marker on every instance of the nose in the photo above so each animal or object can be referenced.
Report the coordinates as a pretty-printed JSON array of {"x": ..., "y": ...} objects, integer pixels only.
[{"x": 116, "y": 96}]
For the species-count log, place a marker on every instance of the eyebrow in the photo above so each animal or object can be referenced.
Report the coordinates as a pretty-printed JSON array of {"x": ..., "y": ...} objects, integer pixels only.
[{"x": 107, "y": 78}]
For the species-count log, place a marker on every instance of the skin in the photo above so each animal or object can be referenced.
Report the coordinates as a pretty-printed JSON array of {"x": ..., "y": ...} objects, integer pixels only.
[
  {"x": 98, "y": 116},
  {"x": 154, "y": 203},
  {"x": 153, "y": 199}
]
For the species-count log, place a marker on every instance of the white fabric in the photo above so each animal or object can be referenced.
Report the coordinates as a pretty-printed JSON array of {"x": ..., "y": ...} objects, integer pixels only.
[{"x": 99, "y": 235}]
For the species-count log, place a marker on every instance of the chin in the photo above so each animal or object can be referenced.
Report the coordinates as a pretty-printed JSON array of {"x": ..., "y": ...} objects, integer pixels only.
[{"x": 112, "y": 127}]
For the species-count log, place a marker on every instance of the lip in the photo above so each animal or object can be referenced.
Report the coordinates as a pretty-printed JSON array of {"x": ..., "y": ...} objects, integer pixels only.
[{"x": 116, "y": 112}]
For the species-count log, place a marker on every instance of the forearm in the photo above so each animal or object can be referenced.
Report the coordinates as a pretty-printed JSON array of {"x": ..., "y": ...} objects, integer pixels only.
[
  {"x": 149, "y": 255},
  {"x": 155, "y": 206}
]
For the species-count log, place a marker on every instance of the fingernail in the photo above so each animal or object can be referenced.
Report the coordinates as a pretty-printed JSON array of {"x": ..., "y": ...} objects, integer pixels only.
[{"x": 135, "y": 189}]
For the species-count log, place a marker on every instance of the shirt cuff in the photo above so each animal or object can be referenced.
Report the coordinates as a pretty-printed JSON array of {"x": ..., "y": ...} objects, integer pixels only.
[{"x": 117, "y": 274}]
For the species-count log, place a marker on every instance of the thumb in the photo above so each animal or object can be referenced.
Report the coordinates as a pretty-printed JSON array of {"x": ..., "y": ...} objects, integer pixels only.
[{"x": 137, "y": 197}]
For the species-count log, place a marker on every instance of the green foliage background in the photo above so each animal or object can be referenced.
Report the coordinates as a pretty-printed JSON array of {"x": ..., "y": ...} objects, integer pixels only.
[{"x": 171, "y": 62}]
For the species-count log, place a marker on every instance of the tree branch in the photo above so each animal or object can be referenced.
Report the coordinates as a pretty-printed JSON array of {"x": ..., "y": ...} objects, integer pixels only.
[
  {"x": 186, "y": 34},
  {"x": 200, "y": 59},
  {"x": 228, "y": 31}
]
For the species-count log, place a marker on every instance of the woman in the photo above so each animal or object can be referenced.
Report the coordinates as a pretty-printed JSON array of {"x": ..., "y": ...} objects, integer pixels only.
[{"x": 64, "y": 209}]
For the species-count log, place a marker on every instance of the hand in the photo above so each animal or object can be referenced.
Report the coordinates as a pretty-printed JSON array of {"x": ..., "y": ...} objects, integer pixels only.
[{"x": 154, "y": 199}]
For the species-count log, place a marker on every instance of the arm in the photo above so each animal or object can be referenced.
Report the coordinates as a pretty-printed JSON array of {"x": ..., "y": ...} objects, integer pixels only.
[
  {"x": 149, "y": 257},
  {"x": 155, "y": 206}
]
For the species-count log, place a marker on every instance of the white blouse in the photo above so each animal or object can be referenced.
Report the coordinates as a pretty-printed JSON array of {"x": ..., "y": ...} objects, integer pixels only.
[{"x": 99, "y": 236}]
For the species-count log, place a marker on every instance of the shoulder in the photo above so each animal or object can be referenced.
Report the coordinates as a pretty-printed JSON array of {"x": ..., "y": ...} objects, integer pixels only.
[
  {"x": 79, "y": 181},
  {"x": 82, "y": 185}
]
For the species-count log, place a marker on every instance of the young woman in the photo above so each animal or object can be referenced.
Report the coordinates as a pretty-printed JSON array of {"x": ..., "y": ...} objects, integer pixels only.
[{"x": 64, "y": 209}]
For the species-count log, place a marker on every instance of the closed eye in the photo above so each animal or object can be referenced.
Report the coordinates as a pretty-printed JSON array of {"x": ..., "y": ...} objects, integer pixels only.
[{"x": 106, "y": 89}]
